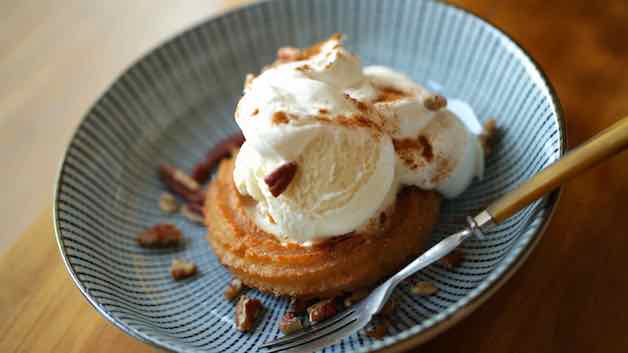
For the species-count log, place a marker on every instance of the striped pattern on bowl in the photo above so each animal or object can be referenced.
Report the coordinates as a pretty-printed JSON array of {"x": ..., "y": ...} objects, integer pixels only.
[{"x": 178, "y": 101}]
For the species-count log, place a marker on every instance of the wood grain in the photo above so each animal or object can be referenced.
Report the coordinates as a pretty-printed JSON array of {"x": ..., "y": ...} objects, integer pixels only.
[
  {"x": 41, "y": 309},
  {"x": 570, "y": 296},
  {"x": 598, "y": 149}
]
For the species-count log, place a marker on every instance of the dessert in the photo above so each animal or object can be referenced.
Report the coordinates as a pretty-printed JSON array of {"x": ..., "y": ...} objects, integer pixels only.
[{"x": 340, "y": 178}]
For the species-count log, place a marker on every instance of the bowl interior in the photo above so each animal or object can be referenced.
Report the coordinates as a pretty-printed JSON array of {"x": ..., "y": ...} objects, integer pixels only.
[{"x": 178, "y": 101}]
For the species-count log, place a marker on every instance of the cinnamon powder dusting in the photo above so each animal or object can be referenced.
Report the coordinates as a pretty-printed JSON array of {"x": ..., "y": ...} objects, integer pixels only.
[
  {"x": 352, "y": 121},
  {"x": 255, "y": 112},
  {"x": 420, "y": 144},
  {"x": 427, "y": 151},
  {"x": 280, "y": 118},
  {"x": 360, "y": 105},
  {"x": 389, "y": 94}
]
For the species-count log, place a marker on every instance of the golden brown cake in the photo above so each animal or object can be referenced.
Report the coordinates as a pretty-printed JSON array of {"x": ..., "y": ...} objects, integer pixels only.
[{"x": 329, "y": 268}]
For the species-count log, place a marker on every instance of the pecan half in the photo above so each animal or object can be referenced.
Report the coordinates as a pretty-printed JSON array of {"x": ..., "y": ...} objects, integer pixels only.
[
  {"x": 233, "y": 289},
  {"x": 182, "y": 184},
  {"x": 435, "y": 102},
  {"x": 424, "y": 288},
  {"x": 290, "y": 323},
  {"x": 322, "y": 310},
  {"x": 162, "y": 235},
  {"x": 168, "y": 203},
  {"x": 452, "y": 260},
  {"x": 246, "y": 312},
  {"x": 224, "y": 149},
  {"x": 279, "y": 179},
  {"x": 180, "y": 269}
]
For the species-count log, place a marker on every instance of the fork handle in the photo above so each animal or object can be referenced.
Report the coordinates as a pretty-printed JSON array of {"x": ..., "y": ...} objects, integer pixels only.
[{"x": 605, "y": 144}]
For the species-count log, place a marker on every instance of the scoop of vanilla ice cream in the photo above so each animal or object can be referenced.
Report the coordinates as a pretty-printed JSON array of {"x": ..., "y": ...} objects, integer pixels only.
[
  {"x": 298, "y": 112},
  {"x": 356, "y": 135}
]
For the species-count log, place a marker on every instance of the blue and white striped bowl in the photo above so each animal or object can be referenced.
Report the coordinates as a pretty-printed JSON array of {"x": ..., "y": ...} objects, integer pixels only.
[{"x": 178, "y": 101}]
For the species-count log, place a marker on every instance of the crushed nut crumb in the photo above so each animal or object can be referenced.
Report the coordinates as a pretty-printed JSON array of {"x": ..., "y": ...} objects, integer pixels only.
[
  {"x": 168, "y": 203},
  {"x": 162, "y": 235},
  {"x": 322, "y": 310},
  {"x": 452, "y": 260},
  {"x": 289, "y": 323},
  {"x": 180, "y": 269},
  {"x": 424, "y": 288},
  {"x": 435, "y": 102},
  {"x": 379, "y": 330},
  {"x": 233, "y": 289},
  {"x": 304, "y": 68}
]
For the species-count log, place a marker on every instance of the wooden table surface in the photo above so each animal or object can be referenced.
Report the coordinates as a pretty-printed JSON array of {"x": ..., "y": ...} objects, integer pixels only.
[{"x": 571, "y": 294}]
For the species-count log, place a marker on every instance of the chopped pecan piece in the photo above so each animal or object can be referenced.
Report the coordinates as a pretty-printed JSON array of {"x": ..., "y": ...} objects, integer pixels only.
[
  {"x": 435, "y": 102},
  {"x": 246, "y": 312},
  {"x": 290, "y": 323},
  {"x": 180, "y": 269},
  {"x": 180, "y": 183},
  {"x": 452, "y": 260},
  {"x": 298, "y": 306},
  {"x": 233, "y": 290},
  {"x": 356, "y": 296},
  {"x": 160, "y": 236},
  {"x": 168, "y": 203},
  {"x": 488, "y": 136},
  {"x": 224, "y": 149},
  {"x": 279, "y": 179},
  {"x": 424, "y": 288},
  {"x": 193, "y": 212},
  {"x": 379, "y": 330},
  {"x": 322, "y": 310}
]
